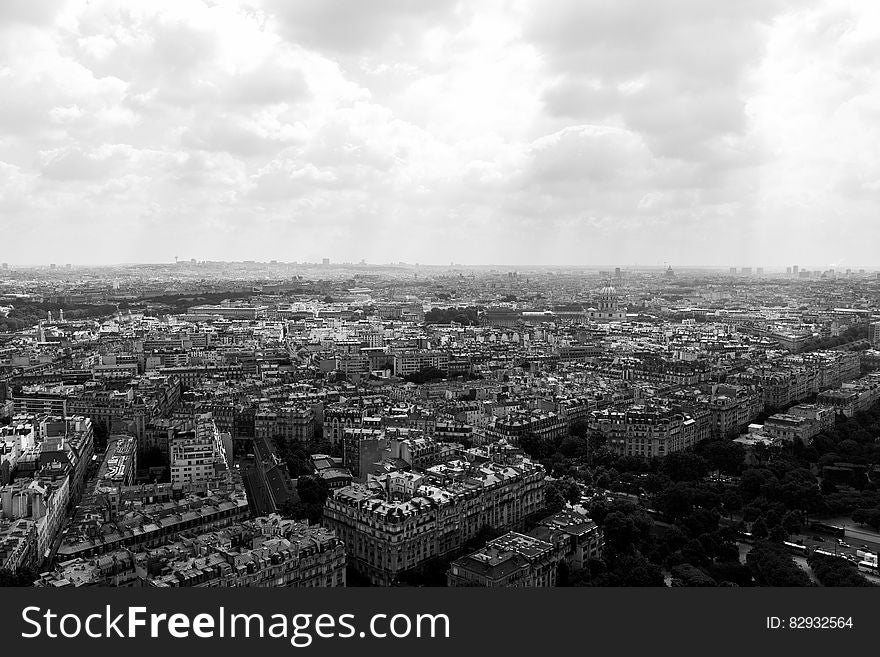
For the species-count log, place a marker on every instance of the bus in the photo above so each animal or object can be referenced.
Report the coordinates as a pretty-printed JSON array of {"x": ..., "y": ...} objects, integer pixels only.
[
  {"x": 869, "y": 567},
  {"x": 797, "y": 548}
]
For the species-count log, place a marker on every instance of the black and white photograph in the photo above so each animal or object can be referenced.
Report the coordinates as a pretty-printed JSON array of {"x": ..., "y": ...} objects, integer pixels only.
[{"x": 434, "y": 294}]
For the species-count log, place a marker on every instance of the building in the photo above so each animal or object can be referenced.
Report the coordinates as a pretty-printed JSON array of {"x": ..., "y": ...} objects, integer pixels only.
[
  {"x": 42, "y": 400},
  {"x": 266, "y": 551},
  {"x": 338, "y": 419},
  {"x": 138, "y": 517},
  {"x": 18, "y": 543},
  {"x": 398, "y": 521},
  {"x": 44, "y": 503},
  {"x": 647, "y": 431},
  {"x": 852, "y": 397},
  {"x": 15, "y": 440},
  {"x": 199, "y": 454},
  {"x": 607, "y": 307},
  {"x": 517, "y": 425},
  {"x": 791, "y": 428},
  {"x": 512, "y": 560},
  {"x": 411, "y": 361},
  {"x": 576, "y": 537},
  {"x": 228, "y": 311},
  {"x": 569, "y": 537},
  {"x": 119, "y": 466},
  {"x": 288, "y": 422},
  {"x": 874, "y": 334}
]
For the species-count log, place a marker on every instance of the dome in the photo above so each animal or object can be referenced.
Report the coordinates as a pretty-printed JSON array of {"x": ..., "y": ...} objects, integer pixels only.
[{"x": 607, "y": 291}]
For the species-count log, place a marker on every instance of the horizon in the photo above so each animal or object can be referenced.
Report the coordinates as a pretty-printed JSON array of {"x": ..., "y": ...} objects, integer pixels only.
[{"x": 777, "y": 268}]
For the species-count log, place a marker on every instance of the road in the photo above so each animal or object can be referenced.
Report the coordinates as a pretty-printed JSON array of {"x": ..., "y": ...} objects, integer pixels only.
[{"x": 830, "y": 543}]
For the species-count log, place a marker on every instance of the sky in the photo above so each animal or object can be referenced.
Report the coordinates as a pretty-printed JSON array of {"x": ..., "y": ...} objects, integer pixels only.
[{"x": 571, "y": 132}]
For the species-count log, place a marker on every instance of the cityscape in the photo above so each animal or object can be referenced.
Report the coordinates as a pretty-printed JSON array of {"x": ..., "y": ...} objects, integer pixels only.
[
  {"x": 371, "y": 293},
  {"x": 335, "y": 424}
]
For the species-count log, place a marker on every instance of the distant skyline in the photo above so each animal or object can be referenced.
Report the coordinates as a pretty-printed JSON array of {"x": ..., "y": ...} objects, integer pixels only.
[
  {"x": 513, "y": 131},
  {"x": 61, "y": 266}
]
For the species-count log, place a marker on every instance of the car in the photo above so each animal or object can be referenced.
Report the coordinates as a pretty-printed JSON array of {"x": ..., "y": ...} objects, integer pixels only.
[
  {"x": 844, "y": 545},
  {"x": 818, "y": 538}
]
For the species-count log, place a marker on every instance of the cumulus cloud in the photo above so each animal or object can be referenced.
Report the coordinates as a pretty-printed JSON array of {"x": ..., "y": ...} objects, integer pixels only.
[{"x": 598, "y": 132}]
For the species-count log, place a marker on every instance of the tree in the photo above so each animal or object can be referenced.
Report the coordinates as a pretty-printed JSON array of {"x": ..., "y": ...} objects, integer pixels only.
[
  {"x": 684, "y": 466},
  {"x": 723, "y": 455},
  {"x": 833, "y": 571},
  {"x": 559, "y": 492},
  {"x": 771, "y": 565},
  {"x": 778, "y": 534},
  {"x": 793, "y": 522},
  {"x": 688, "y": 575},
  {"x": 868, "y": 517},
  {"x": 675, "y": 502},
  {"x": 425, "y": 375},
  {"x": 312, "y": 493},
  {"x": 635, "y": 570},
  {"x": 759, "y": 528},
  {"x": 733, "y": 572}
]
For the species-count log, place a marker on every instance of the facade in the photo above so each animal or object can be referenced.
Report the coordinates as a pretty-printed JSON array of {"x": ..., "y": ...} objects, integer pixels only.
[
  {"x": 292, "y": 423},
  {"x": 400, "y": 520},
  {"x": 791, "y": 428},
  {"x": 199, "y": 454},
  {"x": 337, "y": 420},
  {"x": 646, "y": 431},
  {"x": 411, "y": 361},
  {"x": 607, "y": 307},
  {"x": 514, "y": 426},
  {"x": 18, "y": 543},
  {"x": 851, "y": 398}
]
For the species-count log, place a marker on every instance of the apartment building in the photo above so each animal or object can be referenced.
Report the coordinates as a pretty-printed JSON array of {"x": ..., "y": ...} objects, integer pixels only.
[
  {"x": 398, "y": 521},
  {"x": 198, "y": 454}
]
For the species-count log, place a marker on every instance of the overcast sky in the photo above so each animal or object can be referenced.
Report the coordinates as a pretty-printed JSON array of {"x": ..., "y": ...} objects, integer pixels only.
[{"x": 534, "y": 132}]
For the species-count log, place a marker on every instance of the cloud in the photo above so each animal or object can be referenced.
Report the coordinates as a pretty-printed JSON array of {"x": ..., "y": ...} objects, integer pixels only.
[
  {"x": 499, "y": 131},
  {"x": 354, "y": 27}
]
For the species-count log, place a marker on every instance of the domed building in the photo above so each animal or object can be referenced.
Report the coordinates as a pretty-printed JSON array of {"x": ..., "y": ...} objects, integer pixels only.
[{"x": 607, "y": 307}]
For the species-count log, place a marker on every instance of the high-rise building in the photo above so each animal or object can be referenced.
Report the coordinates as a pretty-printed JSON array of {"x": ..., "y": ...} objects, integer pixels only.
[{"x": 794, "y": 270}]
